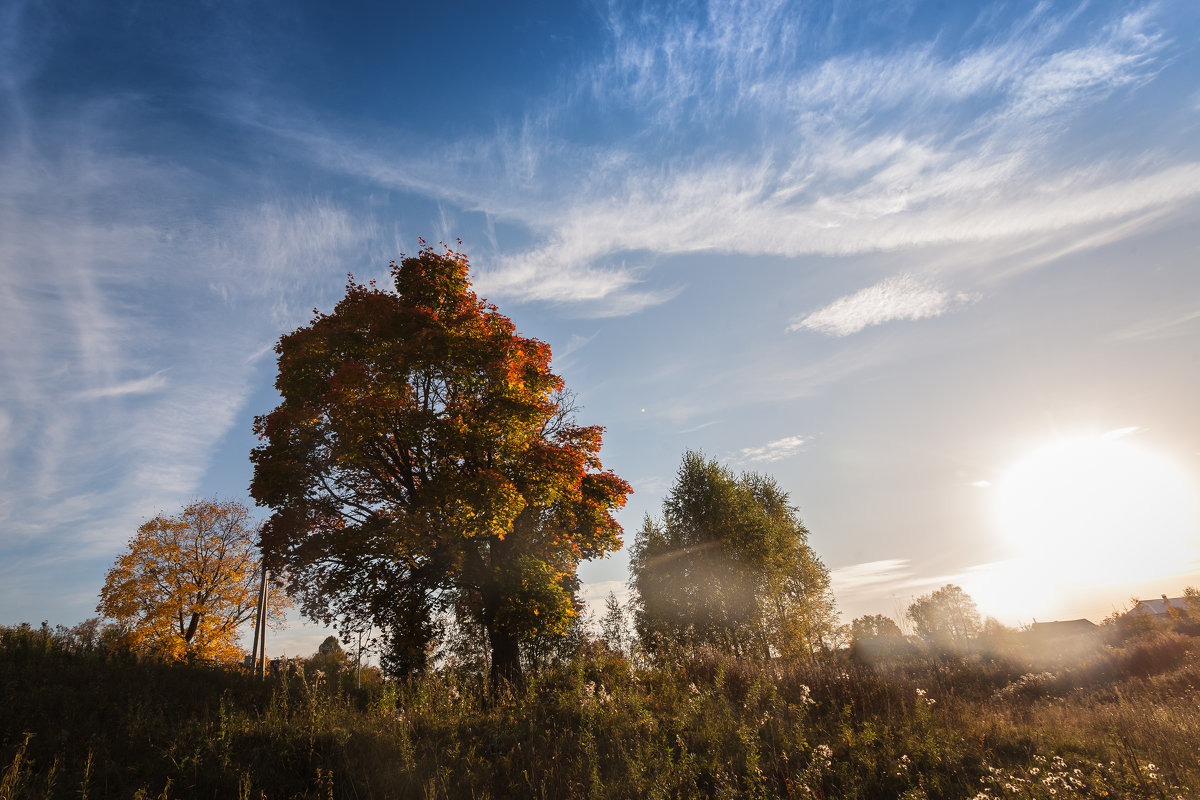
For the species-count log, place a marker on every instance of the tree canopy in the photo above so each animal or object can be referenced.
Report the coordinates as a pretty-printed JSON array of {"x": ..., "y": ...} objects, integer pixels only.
[
  {"x": 422, "y": 460},
  {"x": 187, "y": 583},
  {"x": 946, "y": 617},
  {"x": 874, "y": 626},
  {"x": 729, "y": 566}
]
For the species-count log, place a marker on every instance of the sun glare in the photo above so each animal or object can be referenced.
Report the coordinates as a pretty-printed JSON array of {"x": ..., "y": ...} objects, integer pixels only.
[{"x": 1100, "y": 509}]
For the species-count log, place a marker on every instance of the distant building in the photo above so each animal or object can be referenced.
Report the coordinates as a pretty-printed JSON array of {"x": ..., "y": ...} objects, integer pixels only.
[
  {"x": 1063, "y": 628},
  {"x": 1160, "y": 608}
]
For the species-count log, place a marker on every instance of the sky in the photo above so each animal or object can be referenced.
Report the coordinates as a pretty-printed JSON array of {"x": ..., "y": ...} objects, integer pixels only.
[{"x": 932, "y": 266}]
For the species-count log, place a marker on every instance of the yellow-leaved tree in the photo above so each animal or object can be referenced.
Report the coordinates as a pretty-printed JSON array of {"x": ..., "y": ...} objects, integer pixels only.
[{"x": 187, "y": 583}]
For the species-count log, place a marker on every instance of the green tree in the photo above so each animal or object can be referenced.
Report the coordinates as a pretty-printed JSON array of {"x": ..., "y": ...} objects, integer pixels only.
[
  {"x": 729, "y": 566},
  {"x": 614, "y": 625},
  {"x": 874, "y": 626},
  {"x": 1191, "y": 599},
  {"x": 421, "y": 462},
  {"x": 330, "y": 657},
  {"x": 946, "y": 617}
]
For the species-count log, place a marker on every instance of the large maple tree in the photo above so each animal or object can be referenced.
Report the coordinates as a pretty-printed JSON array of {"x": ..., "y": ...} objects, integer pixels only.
[{"x": 421, "y": 461}]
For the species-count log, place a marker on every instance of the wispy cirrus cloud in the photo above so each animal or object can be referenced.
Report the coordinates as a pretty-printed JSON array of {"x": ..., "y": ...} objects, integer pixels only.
[
  {"x": 1163, "y": 327},
  {"x": 888, "y": 572},
  {"x": 902, "y": 297},
  {"x": 810, "y": 148},
  {"x": 128, "y": 318},
  {"x": 146, "y": 385},
  {"x": 776, "y": 450}
]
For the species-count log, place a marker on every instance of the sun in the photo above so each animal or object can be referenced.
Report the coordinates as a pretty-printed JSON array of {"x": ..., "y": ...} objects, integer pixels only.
[{"x": 1099, "y": 508}]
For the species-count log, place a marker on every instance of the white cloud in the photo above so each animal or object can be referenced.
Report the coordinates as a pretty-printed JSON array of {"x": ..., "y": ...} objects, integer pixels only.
[
  {"x": 1165, "y": 327},
  {"x": 834, "y": 154},
  {"x": 871, "y": 574},
  {"x": 146, "y": 385},
  {"x": 116, "y": 286},
  {"x": 770, "y": 452},
  {"x": 903, "y": 297}
]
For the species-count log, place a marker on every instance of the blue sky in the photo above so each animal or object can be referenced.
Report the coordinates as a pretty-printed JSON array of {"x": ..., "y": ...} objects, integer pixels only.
[{"x": 881, "y": 251}]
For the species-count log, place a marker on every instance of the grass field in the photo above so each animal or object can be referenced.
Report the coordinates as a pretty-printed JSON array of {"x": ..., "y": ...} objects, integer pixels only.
[{"x": 1094, "y": 721}]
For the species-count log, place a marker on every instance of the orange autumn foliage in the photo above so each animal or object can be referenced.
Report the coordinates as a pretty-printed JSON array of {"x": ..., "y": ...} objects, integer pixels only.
[
  {"x": 422, "y": 461},
  {"x": 187, "y": 583}
]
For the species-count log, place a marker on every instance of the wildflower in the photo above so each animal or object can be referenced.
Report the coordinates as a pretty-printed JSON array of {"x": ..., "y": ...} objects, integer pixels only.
[
  {"x": 824, "y": 751},
  {"x": 692, "y": 688},
  {"x": 805, "y": 695},
  {"x": 1034, "y": 771}
]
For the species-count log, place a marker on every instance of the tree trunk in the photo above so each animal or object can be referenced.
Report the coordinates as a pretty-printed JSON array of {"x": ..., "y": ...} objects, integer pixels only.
[
  {"x": 191, "y": 629},
  {"x": 506, "y": 653},
  {"x": 506, "y": 659}
]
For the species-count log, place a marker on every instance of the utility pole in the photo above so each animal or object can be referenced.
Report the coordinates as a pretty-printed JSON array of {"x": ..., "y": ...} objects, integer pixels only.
[
  {"x": 258, "y": 656},
  {"x": 262, "y": 615},
  {"x": 358, "y": 662}
]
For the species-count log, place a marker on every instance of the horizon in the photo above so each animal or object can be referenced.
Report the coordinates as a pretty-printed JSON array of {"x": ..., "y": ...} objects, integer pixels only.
[{"x": 931, "y": 269}]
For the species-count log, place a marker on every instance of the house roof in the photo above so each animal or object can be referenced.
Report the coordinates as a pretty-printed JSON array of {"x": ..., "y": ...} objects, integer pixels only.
[
  {"x": 1067, "y": 627},
  {"x": 1159, "y": 606}
]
